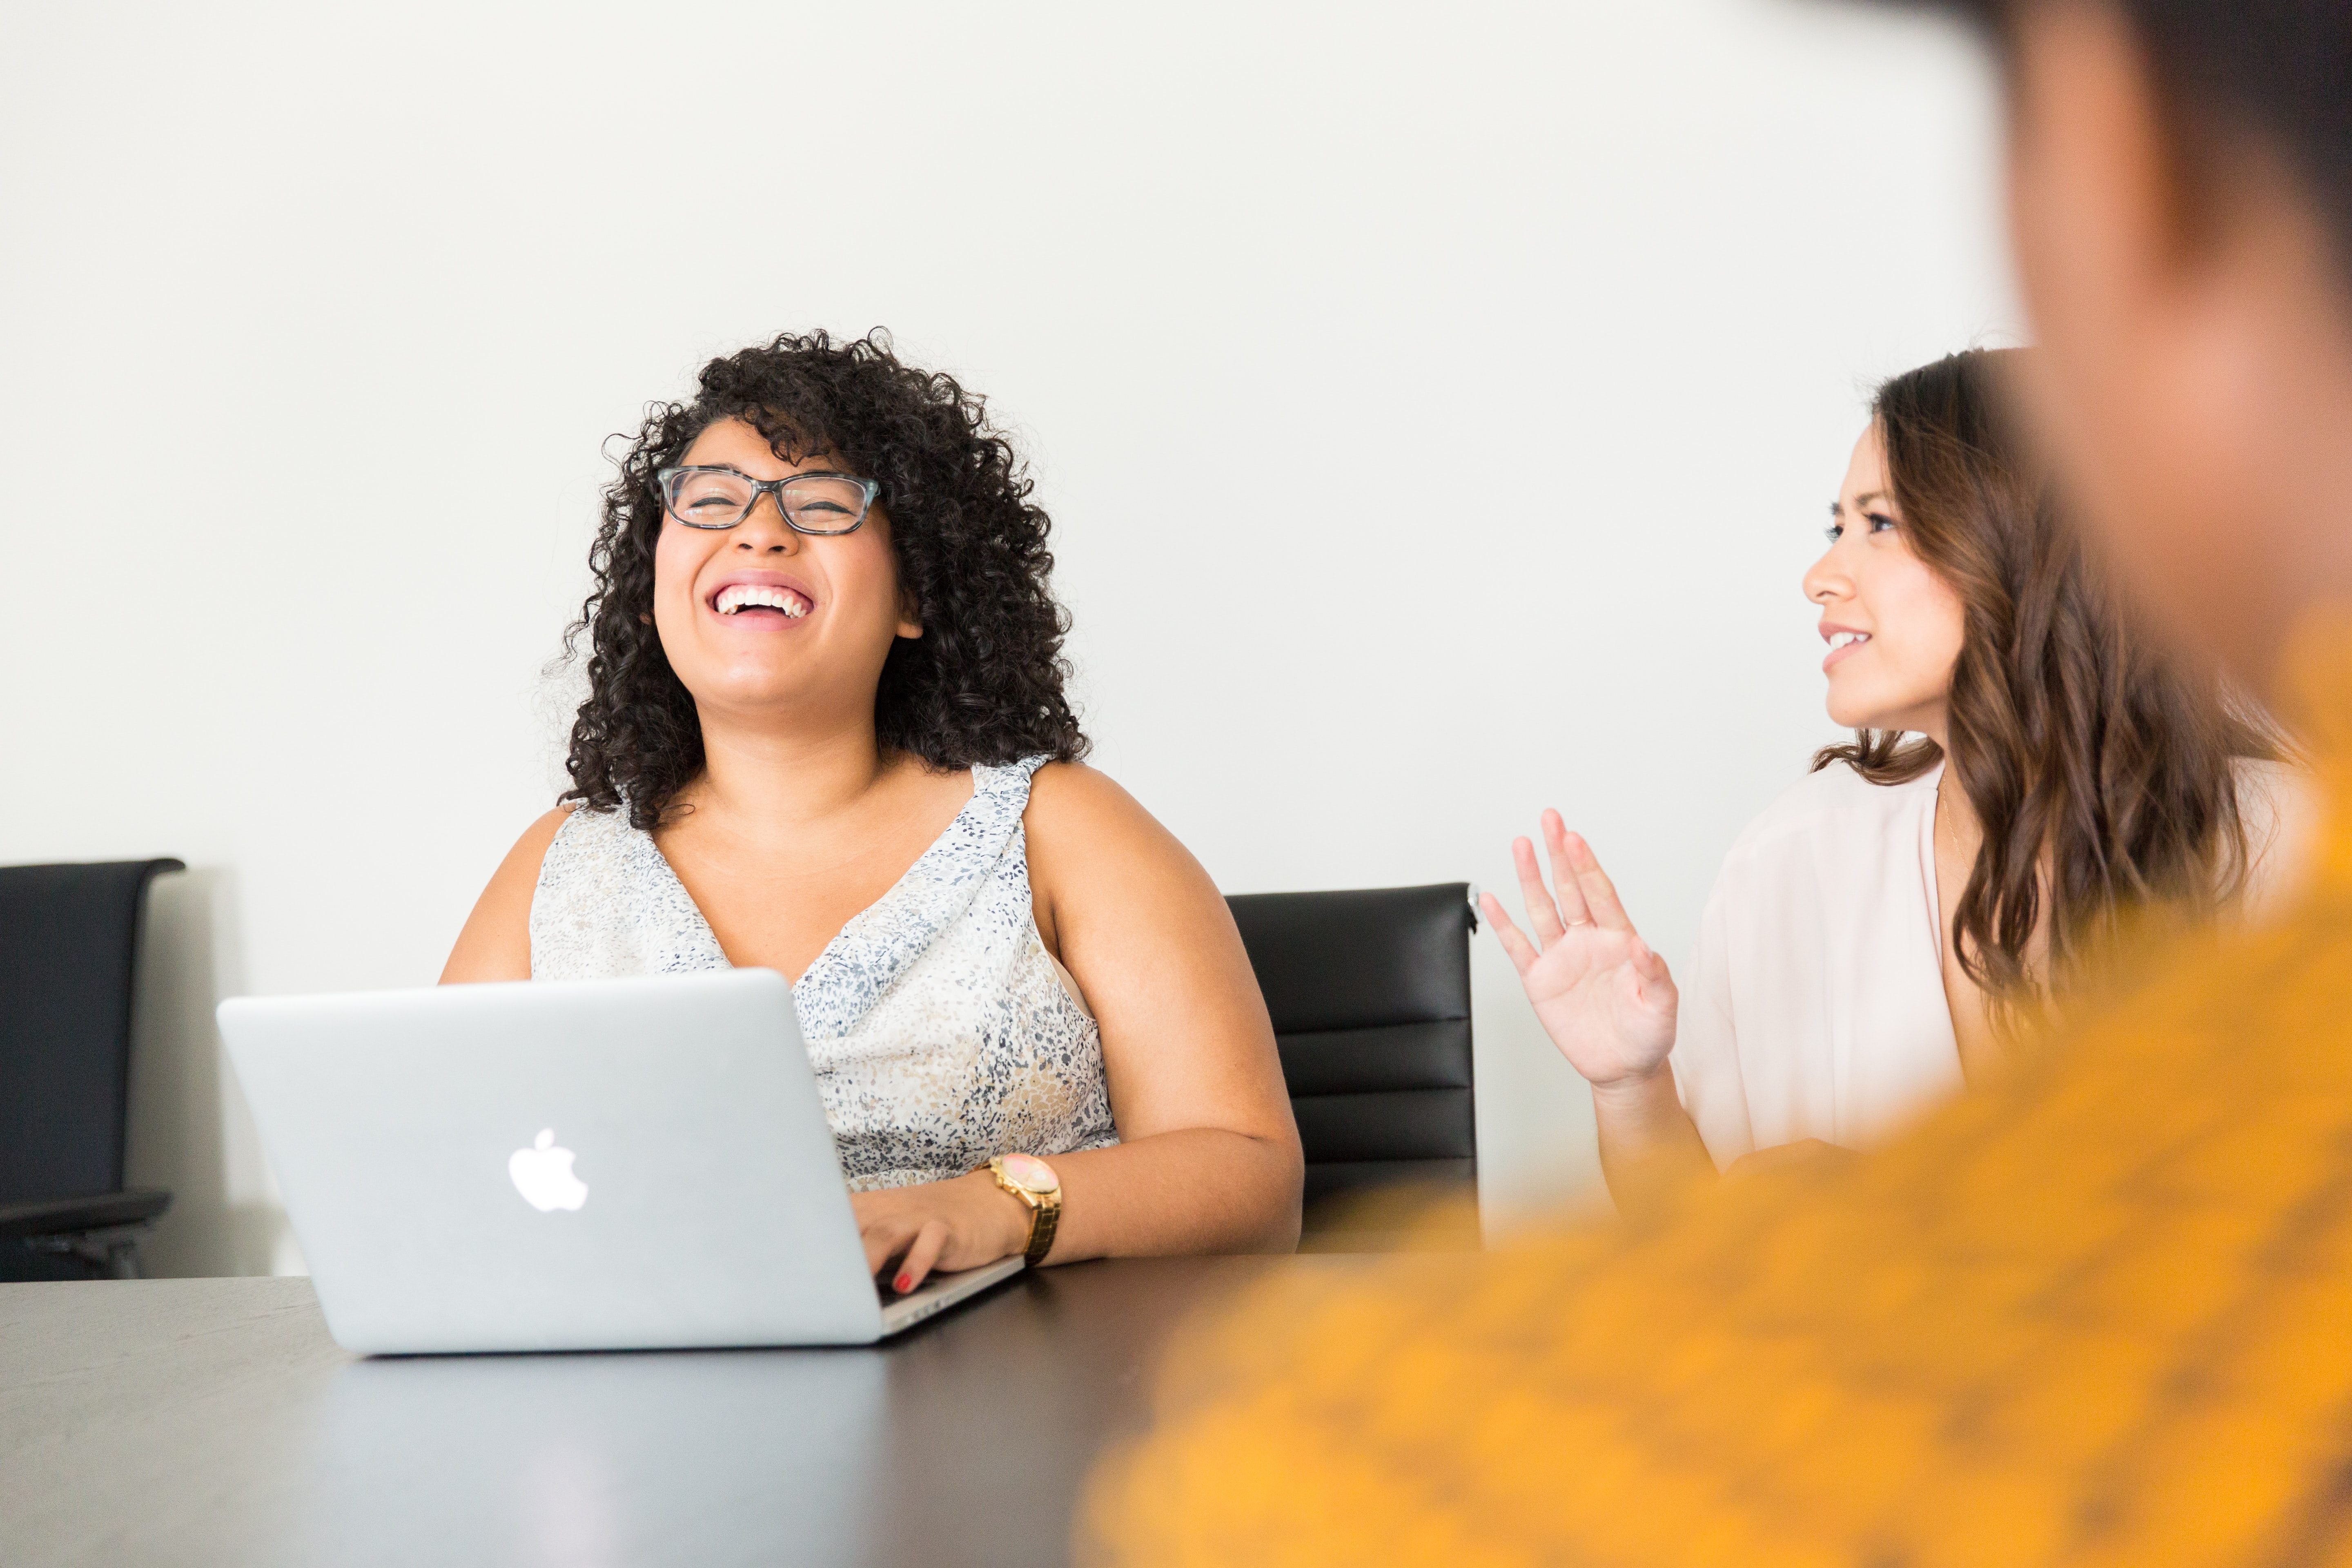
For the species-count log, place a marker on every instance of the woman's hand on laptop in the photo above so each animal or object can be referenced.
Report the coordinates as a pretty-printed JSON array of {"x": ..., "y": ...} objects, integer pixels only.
[{"x": 962, "y": 1223}]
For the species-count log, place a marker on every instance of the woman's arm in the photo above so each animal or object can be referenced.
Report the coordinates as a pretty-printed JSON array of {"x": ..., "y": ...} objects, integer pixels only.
[
  {"x": 1609, "y": 1003},
  {"x": 1649, "y": 1145},
  {"x": 496, "y": 942},
  {"x": 1209, "y": 1158}
]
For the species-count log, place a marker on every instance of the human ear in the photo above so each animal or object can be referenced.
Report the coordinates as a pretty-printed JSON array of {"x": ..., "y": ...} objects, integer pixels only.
[{"x": 910, "y": 614}]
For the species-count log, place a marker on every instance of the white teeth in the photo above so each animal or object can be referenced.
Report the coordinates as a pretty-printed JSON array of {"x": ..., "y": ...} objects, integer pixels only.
[
  {"x": 1846, "y": 639},
  {"x": 741, "y": 595}
]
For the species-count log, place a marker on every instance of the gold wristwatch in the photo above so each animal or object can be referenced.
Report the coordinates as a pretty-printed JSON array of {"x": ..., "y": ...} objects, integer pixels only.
[{"x": 1032, "y": 1181}]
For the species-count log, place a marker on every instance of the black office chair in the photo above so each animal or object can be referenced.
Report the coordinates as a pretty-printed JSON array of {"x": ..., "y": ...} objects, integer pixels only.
[
  {"x": 1369, "y": 991},
  {"x": 69, "y": 962}
]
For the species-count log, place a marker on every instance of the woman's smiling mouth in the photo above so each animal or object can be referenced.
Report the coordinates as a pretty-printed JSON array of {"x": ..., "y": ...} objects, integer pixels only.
[
  {"x": 1842, "y": 643},
  {"x": 751, "y": 601}
]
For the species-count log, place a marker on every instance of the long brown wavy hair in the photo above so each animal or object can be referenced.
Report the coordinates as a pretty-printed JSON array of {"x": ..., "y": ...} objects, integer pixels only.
[{"x": 2099, "y": 765}]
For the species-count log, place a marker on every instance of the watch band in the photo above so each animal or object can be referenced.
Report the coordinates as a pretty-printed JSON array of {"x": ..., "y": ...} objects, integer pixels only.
[{"x": 1045, "y": 1217}]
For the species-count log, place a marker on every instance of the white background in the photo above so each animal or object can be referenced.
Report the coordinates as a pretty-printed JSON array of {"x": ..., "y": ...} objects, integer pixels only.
[{"x": 314, "y": 323}]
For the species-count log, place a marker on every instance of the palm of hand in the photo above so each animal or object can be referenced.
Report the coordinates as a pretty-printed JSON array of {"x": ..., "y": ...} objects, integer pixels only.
[
  {"x": 1603, "y": 996},
  {"x": 1607, "y": 1020}
]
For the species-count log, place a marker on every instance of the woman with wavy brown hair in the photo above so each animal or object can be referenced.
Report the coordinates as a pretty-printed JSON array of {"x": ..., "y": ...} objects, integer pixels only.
[
  {"x": 826, "y": 732},
  {"x": 2026, "y": 768}
]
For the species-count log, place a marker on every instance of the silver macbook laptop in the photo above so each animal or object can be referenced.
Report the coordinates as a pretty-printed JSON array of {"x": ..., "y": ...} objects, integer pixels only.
[{"x": 606, "y": 1164}]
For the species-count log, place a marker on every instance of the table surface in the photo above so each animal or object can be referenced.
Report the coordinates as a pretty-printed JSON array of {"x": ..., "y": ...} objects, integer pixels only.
[{"x": 213, "y": 1421}]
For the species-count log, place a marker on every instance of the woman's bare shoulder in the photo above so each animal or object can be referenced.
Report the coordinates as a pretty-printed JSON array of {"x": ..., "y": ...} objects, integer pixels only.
[
  {"x": 1086, "y": 832},
  {"x": 545, "y": 827},
  {"x": 1070, "y": 802},
  {"x": 1074, "y": 788},
  {"x": 496, "y": 942}
]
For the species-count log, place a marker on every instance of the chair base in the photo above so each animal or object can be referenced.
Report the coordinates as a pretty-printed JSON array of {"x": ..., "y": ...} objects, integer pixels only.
[
  {"x": 94, "y": 1238},
  {"x": 108, "y": 1254}
]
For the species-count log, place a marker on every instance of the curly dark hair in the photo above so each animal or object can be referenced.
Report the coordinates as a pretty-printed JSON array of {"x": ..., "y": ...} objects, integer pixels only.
[{"x": 983, "y": 684}]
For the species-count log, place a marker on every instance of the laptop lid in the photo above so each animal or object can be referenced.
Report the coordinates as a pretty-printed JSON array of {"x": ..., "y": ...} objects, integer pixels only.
[{"x": 632, "y": 1163}]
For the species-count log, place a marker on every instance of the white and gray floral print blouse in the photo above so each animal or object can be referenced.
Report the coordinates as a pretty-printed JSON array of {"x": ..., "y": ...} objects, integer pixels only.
[{"x": 942, "y": 1031}]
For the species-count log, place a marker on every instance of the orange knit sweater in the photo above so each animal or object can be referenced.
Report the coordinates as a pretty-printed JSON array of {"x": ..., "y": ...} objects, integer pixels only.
[{"x": 2101, "y": 1312}]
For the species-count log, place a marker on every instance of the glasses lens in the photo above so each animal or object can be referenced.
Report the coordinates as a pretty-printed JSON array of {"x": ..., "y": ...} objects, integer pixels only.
[
  {"x": 824, "y": 506},
  {"x": 710, "y": 500}
]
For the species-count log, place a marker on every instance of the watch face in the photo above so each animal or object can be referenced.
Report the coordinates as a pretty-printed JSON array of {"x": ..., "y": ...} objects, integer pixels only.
[{"x": 1030, "y": 1174}]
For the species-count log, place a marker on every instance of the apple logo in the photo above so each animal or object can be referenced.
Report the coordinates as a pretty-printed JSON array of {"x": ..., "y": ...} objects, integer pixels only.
[{"x": 543, "y": 1174}]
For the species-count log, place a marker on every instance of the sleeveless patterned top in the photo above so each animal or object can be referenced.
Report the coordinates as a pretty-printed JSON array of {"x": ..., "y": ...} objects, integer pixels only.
[{"x": 940, "y": 1029}]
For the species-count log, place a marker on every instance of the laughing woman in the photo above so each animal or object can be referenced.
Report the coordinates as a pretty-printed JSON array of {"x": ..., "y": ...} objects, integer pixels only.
[
  {"x": 825, "y": 734},
  {"x": 1883, "y": 933}
]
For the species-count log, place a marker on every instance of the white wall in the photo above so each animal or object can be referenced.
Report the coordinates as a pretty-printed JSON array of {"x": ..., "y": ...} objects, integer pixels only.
[{"x": 315, "y": 320}]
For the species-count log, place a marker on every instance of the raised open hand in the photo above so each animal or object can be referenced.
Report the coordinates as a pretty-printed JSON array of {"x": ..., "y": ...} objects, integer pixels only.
[{"x": 1604, "y": 998}]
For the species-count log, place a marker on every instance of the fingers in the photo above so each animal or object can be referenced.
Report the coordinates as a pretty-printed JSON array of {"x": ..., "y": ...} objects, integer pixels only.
[
  {"x": 1543, "y": 919},
  {"x": 930, "y": 1242},
  {"x": 1521, "y": 951},
  {"x": 1576, "y": 866},
  {"x": 884, "y": 1241},
  {"x": 1654, "y": 985},
  {"x": 1565, "y": 887},
  {"x": 1581, "y": 893},
  {"x": 882, "y": 1228}
]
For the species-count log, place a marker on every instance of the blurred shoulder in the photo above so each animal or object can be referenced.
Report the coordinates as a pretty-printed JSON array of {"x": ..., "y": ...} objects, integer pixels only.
[
  {"x": 2270, "y": 791},
  {"x": 2279, "y": 806}
]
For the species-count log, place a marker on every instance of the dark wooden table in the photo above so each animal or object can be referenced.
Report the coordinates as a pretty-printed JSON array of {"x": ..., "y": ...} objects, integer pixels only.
[{"x": 212, "y": 1421}]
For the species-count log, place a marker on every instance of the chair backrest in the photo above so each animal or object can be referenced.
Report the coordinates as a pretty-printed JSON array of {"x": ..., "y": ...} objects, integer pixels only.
[
  {"x": 1369, "y": 991},
  {"x": 68, "y": 957}
]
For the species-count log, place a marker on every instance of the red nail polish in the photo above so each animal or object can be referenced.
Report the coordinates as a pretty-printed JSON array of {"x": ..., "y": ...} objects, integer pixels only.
[{"x": 904, "y": 1283}]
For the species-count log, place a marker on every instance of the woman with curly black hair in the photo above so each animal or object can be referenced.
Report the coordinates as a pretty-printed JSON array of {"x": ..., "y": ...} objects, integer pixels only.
[{"x": 826, "y": 733}]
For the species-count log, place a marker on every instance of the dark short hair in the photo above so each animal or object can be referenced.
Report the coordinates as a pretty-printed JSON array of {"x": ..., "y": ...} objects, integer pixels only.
[
  {"x": 983, "y": 684},
  {"x": 2278, "y": 70}
]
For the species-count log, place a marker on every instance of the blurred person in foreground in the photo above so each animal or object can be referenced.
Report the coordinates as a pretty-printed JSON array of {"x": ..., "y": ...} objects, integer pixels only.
[{"x": 2101, "y": 1312}]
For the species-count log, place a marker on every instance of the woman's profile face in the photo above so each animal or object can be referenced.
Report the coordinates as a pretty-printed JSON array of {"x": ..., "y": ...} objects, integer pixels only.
[
  {"x": 1893, "y": 626},
  {"x": 810, "y": 635}
]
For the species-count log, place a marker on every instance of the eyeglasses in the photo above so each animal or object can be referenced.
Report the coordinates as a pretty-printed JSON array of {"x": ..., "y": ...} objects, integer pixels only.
[{"x": 815, "y": 503}]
